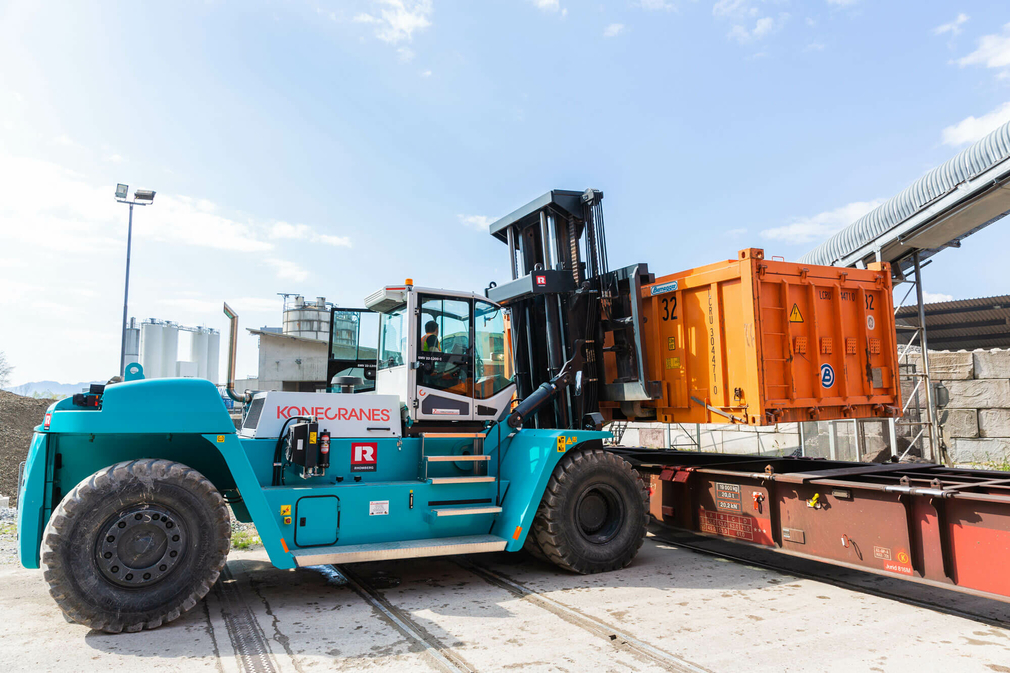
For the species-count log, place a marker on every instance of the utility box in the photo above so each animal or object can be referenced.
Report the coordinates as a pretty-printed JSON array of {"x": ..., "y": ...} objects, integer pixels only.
[{"x": 757, "y": 342}]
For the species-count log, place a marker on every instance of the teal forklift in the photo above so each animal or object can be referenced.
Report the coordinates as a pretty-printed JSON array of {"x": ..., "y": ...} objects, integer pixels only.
[{"x": 447, "y": 448}]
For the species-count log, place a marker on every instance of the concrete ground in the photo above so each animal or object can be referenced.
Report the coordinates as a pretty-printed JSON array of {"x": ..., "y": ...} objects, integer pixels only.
[{"x": 672, "y": 610}]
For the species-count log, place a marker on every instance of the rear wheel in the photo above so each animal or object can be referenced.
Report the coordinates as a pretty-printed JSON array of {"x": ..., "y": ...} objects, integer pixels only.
[
  {"x": 594, "y": 513},
  {"x": 135, "y": 545}
]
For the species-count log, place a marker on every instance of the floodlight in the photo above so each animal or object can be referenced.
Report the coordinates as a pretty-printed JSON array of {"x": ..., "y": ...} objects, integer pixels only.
[
  {"x": 121, "y": 191},
  {"x": 144, "y": 195}
]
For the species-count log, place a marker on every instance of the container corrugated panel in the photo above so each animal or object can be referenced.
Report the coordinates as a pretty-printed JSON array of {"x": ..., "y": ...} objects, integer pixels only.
[{"x": 759, "y": 341}]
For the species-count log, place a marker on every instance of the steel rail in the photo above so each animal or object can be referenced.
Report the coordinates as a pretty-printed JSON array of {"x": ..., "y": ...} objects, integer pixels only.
[
  {"x": 441, "y": 655},
  {"x": 592, "y": 625},
  {"x": 252, "y": 651}
]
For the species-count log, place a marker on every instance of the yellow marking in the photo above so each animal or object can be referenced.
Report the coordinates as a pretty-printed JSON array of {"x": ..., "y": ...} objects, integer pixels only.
[
  {"x": 287, "y": 521},
  {"x": 285, "y": 510},
  {"x": 795, "y": 315},
  {"x": 220, "y": 439},
  {"x": 671, "y": 344},
  {"x": 312, "y": 438},
  {"x": 673, "y": 363}
]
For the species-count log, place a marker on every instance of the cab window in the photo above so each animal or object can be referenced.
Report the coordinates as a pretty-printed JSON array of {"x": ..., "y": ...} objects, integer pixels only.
[
  {"x": 393, "y": 343},
  {"x": 444, "y": 352},
  {"x": 489, "y": 350}
]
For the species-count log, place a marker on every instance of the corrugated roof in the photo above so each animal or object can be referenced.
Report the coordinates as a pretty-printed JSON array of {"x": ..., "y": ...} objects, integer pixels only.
[
  {"x": 943, "y": 181},
  {"x": 961, "y": 324}
]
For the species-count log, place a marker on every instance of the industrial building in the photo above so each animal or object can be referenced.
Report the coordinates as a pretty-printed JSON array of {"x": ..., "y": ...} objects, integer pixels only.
[{"x": 155, "y": 344}]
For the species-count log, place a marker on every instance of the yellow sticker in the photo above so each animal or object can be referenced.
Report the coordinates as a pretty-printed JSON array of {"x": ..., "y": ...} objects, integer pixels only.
[
  {"x": 565, "y": 442},
  {"x": 220, "y": 439},
  {"x": 673, "y": 363},
  {"x": 671, "y": 344},
  {"x": 795, "y": 315},
  {"x": 312, "y": 438},
  {"x": 285, "y": 510}
]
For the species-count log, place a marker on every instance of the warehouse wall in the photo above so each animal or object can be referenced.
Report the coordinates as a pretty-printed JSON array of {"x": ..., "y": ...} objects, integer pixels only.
[{"x": 976, "y": 421}]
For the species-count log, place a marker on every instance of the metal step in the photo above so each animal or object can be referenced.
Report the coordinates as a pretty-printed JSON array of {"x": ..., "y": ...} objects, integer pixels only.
[
  {"x": 455, "y": 459},
  {"x": 459, "y": 480},
  {"x": 454, "y": 435},
  {"x": 460, "y": 511},
  {"x": 383, "y": 551}
]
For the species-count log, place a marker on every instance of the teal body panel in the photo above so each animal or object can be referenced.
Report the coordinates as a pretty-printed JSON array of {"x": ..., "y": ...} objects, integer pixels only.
[{"x": 185, "y": 420}]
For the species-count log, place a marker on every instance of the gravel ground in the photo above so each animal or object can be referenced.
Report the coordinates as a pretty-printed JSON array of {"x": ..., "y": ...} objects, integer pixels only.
[
  {"x": 18, "y": 418},
  {"x": 8, "y": 536}
]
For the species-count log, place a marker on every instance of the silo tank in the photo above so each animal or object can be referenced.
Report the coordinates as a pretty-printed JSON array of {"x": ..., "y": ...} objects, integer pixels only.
[
  {"x": 169, "y": 350},
  {"x": 213, "y": 356},
  {"x": 198, "y": 352},
  {"x": 151, "y": 348}
]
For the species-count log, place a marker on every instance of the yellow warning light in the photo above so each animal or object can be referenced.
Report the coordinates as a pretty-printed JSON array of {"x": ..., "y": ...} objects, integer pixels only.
[{"x": 408, "y": 281}]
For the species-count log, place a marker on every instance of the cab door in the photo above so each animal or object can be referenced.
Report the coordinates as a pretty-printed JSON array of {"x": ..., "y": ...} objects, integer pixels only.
[{"x": 445, "y": 358}]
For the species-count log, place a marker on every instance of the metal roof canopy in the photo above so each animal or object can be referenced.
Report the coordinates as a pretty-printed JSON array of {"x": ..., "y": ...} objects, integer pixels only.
[
  {"x": 564, "y": 201},
  {"x": 961, "y": 324},
  {"x": 951, "y": 202}
]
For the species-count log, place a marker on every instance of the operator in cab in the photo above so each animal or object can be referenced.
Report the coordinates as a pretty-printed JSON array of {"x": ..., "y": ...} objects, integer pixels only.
[{"x": 430, "y": 341}]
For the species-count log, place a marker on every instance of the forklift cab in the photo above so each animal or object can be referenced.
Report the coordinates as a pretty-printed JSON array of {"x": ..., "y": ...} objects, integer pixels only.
[{"x": 443, "y": 352}]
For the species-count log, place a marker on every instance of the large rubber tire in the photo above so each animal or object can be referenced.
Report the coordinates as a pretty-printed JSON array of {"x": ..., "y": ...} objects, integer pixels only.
[
  {"x": 594, "y": 513},
  {"x": 173, "y": 527}
]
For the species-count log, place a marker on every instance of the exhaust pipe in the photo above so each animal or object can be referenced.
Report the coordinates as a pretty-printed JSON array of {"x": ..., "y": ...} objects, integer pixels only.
[{"x": 245, "y": 397}]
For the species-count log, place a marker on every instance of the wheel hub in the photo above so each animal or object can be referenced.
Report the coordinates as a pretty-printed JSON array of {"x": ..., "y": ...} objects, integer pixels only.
[
  {"x": 140, "y": 546},
  {"x": 599, "y": 513}
]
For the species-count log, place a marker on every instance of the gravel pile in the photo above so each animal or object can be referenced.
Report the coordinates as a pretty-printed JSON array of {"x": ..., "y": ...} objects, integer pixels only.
[
  {"x": 8, "y": 536},
  {"x": 18, "y": 418}
]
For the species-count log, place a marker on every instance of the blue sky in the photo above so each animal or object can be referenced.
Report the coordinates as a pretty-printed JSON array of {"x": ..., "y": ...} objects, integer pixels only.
[{"x": 329, "y": 148}]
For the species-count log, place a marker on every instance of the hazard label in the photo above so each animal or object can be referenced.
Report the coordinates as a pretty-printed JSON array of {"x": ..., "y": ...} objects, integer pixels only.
[{"x": 795, "y": 315}]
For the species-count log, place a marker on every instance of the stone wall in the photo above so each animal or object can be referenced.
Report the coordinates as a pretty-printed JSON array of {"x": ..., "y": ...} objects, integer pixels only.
[{"x": 976, "y": 420}]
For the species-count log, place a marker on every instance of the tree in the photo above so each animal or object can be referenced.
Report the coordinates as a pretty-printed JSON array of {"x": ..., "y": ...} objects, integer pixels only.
[{"x": 5, "y": 370}]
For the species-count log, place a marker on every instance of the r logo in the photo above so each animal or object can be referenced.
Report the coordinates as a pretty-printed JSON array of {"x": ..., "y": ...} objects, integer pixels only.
[{"x": 364, "y": 456}]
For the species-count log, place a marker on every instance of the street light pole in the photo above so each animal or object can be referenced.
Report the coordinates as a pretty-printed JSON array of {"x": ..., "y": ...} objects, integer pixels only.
[
  {"x": 141, "y": 197},
  {"x": 126, "y": 294}
]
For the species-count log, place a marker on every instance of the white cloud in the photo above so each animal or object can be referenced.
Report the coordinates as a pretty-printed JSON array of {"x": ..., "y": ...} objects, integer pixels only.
[
  {"x": 822, "y": 225},
  {"x": 736, "y": 233},
  {"x": 934, "y": 297},
  {"x": 285, "y": 230},
  {"x": 735, "y": 9},
  {"x": 64, "y": 140},
  {"x": 303, "y": 232},
  {"x": 814, "y": 46},
  {"x": 613, "y": 30},
  {"x": 653, "y": 5},
  {"x": 114, "y": 159},
  {"x": 397, "y": 20},
  {"x": 425, "y": 73},
  {"x": 970, "y": 129},
  {"x": 338, "y": 241},
  {"x": 954, "y": 27},
  {"x": 478, "y": 222},
  {"x": 993, "y": 51},
  {"x": 406, "y": 54},
  {"x": 842, "y": 3},
  {"x": 286, "y": 270},
  {"x": 762, "y": 28},
  {"x": 547, "y": 5}
]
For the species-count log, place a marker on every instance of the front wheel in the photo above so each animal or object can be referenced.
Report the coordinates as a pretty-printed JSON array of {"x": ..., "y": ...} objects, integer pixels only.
[
  {"x": 135, "y": 545},
  {"x": 594, "y": 513}
]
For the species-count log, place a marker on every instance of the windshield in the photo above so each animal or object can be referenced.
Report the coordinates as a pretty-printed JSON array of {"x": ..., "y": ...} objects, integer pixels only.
[{"x": 393, "y": 342}]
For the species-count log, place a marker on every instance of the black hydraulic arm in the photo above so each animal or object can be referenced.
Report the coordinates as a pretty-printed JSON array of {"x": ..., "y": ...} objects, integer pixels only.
[{"x": 549, "y": 390}]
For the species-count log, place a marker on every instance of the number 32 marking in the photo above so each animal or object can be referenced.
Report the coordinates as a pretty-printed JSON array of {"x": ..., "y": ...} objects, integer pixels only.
[{"x": 669, "y": 308}]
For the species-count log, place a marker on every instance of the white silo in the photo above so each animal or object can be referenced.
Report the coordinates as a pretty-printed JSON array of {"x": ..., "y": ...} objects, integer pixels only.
[
  {"x": 213, "y": 355},
  {"x": 198, "y": 351},
  {"x": 169, "y": 350},
  {"x": 151, "y": 347}
]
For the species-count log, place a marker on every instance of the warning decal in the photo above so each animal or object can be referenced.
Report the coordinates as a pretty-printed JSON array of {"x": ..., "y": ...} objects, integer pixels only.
[
  {"x": 728, "y": 525},
  {"x": 795, "y": 315}
]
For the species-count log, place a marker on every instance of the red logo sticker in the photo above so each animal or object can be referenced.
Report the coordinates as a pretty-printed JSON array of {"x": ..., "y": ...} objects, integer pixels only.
[
  {"x": 364, "y": 456},
  {"x": 541, "y": 281}
]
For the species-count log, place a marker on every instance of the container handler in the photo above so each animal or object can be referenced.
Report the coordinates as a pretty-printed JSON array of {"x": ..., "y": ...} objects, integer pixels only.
[{"x": 483, "y": 432}]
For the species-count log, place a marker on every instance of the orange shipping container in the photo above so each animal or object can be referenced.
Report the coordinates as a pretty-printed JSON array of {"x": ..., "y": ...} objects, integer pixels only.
[{"x": 760, "y": 341}]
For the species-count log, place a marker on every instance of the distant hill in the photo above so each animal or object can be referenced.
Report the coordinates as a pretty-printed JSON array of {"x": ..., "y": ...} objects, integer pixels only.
[{"x": 44, "y": 387}]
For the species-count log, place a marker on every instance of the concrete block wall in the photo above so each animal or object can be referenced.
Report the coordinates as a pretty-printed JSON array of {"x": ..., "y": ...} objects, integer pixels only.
[{"x": 976, "y": 421}]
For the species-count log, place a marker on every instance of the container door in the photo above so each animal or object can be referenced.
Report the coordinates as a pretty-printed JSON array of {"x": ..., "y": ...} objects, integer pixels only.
[{"x": 317, "y": 520}]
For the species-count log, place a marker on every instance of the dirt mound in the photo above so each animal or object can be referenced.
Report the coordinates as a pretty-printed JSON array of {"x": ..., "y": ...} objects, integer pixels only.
[{"x": 18, "y": 418}]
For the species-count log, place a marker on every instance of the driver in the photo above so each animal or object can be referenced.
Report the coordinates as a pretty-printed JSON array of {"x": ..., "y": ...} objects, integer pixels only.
[{"x": 430, "y": 343}]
